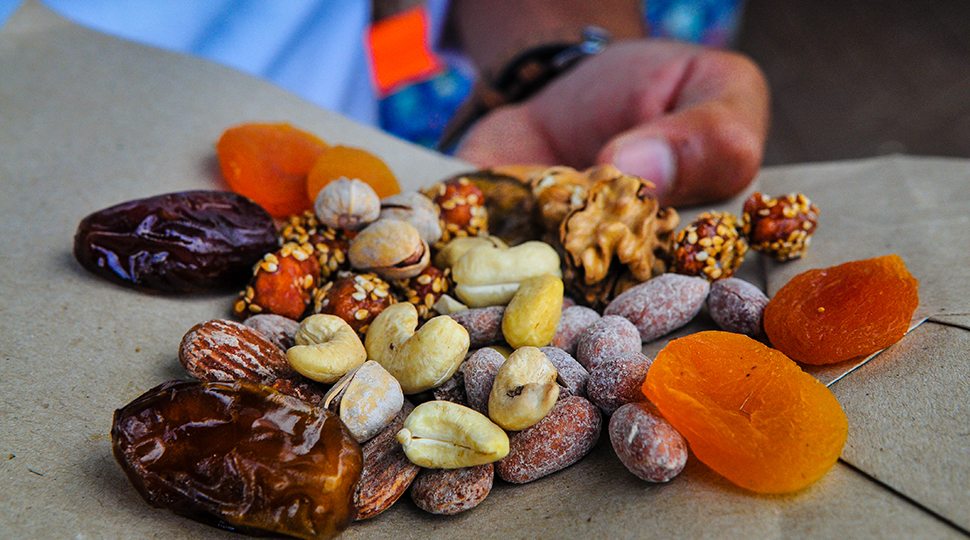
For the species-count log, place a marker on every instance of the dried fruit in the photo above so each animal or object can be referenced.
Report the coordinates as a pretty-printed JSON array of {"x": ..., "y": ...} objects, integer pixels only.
[
  {"x": 347, "y": 162},
  {"x": 572, "y": 376},
  {"x": 347, "y": 204},
  {"x": 780, "y": 227},
  {"x": 390, "y": 248},
  {"x": 647, "y": 445},
  {"x": 387, "y": 472},
  {"x": 833, "y": 314},
  {"x": 240, "y": 456},
  {"x": 608, "y": 338},
  {"x": 736, "y": 306},
  {"x": 622, "y": 219},
  {"x": 420, "y": 360},
  {"x": 562, "y": 438},
  {"x": 479, "y": 372},
  {"x": 748, "y": 412},
  {"x": 425, "y": 289},
  {"x": 269, "y": 164},
  {"x": 279, "y": 330},
  {"x": 462, "y": 208},
  {"x": 282, "y": 283},
  {"x": 509, "y": 204},
  {"x": 366, "y": 399},
  {"x": 221, "y": 350},
  {"x": 574, "y": 321},
  {"x": 710, "y": 246},
  {"x": 533, "y": 314},
  {"x": 330, "y": 246},
  {"x": 661, "y": 305},
  {"x": 355, "y": 298},
  {"x": 178, "y": 242},
  {"x": 452, "y": 491},
  {"x": 524, "y": 390},
  {"x": 617, "y": 382},
  {"x": 489, "y": 276},
  {"x": 417, "y": 210},
  {"x": 445, "y": 435},
  {"x": 326, "y": 349},
  {"x": 484, "y": 325}
]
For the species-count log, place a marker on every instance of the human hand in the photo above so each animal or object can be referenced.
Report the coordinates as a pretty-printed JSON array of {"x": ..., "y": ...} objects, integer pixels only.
[{"x": 690, "y": 119}]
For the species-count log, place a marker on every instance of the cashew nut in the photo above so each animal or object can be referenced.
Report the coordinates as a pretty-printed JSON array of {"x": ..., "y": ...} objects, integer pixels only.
[
  {"x": 524, "y": 390},
  {"x": 489, "y": 276},
  {"x": 418, "y": 360},
  {"x": 446, "y": 435},
  {"x": 533, "y": 314},
  {"x": 326, "y": 348}
]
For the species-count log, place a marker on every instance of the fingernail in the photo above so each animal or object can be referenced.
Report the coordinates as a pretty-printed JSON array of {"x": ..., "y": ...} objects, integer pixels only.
[{"x": 650, "y": 159}]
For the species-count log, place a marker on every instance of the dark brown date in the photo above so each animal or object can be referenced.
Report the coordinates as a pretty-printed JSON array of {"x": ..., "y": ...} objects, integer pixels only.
[
  {"x": 178, "y": 242},
  {"x": 239, "y": 456}
]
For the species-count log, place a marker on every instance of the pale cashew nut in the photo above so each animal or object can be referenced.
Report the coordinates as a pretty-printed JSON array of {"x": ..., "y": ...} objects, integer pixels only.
[
  {"x": 524, "y": 390},
  {"x": 418, "y": 360},
  {"x": 326, "y": 349},
  {"x": 489, "y": 276}
]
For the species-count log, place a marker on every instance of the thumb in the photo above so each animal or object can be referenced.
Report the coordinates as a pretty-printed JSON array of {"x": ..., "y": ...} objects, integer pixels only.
[{"x": 698, "y": 154}]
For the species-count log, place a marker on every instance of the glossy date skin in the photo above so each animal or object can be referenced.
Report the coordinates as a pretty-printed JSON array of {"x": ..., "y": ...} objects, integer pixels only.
[
  {"x": 187, "y": 241},
  {"x": 241, "y": 456}
]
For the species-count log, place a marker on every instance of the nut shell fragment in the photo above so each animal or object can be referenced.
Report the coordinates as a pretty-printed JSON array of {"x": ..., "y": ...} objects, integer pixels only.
[{"x": 391, "y": 248}]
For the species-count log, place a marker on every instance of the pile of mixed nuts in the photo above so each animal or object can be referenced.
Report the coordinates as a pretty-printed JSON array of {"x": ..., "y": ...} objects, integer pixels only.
[{"x": 448, "y": 355}]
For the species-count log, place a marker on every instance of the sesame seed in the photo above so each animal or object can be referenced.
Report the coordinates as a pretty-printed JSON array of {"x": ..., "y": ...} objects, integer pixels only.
[
  {"x": 692, "y": 237},
  {"x": 701, "y": 256},
  {"x": 361, "y": 314},
  {"x": 424, "y": 279},
  {"x": 359, "y": 296}
]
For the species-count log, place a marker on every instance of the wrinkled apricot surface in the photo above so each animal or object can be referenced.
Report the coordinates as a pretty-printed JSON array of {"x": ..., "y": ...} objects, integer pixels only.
[
  {"x": 269, "y": 164},
  {"x": 349, "y": 162},
  {"x": 834, "y": 314},
  {"x": 747, "y": 411}
]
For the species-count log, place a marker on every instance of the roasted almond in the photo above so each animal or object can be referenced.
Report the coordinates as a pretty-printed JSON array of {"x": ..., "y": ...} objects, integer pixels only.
[
  {"x": 451, "y": 491},
  {"x": 223, "y": 350},
  {"x": 387, "y": 472}
]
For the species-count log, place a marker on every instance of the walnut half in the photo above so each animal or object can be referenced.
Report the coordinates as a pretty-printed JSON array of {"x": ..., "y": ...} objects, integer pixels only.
[{"x": 620, "y": 219}]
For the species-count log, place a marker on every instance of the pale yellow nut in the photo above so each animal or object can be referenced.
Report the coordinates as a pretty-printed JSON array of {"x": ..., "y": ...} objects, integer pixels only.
[
  {"x": 532, "y": 316},
  {"x": 524, "y": 390},
  {"x": 367, "y": 399},
  {"x": 453, "y": 250},
  {"x": 446, "y": 435},
  {"x": 488, "y": 276},
  {"x": 326, "y": 348},
  {"x": 419, "y": 360},
  {"x": 446, "y": 305}
]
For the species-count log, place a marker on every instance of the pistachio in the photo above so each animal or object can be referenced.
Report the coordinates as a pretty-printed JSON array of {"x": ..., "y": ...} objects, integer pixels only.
[
  {"x": 347, "y": 204},
  {"x": 326, "y": 348},
  {"x": 488, "y": 275},
  {"x": 417, "y": 210},
  {"x": 453, "y": 250},
  {"x": 366, "y": 399},
  {"x": 533, "y": 314},
  {"x": 524, "y": 390},
  {"x": 420, "y": 360},
  {"x": 391, "y": 248},
  {"x": 445, "y": 435}
]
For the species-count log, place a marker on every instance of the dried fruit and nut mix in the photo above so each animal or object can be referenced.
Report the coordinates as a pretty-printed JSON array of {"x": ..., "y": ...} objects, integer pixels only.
[{"x": 362, "y": 306}]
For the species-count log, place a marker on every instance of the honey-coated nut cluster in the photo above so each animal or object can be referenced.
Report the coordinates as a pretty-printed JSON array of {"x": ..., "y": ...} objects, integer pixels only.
[
  {"x": 711, "y": 246},
  {"x": 780, "y": 227}
]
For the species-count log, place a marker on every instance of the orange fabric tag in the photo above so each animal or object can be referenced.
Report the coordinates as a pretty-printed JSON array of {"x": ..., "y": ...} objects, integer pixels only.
[{"x": 399, "y": 50}]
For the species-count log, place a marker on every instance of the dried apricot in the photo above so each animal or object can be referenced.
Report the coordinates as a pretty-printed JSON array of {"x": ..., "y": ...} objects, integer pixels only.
[
  {"x": 347, "y": 162},
  {"x": 834, "y": 314},
  {"x": 748, "y": 412},
  {"x": 269, "y": 164}
]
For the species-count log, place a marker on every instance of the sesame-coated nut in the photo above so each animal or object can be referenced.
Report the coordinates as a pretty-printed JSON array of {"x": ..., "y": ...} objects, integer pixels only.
[
  {"x": 780, "y": 227},
  {"x": 711, "y": 246}
]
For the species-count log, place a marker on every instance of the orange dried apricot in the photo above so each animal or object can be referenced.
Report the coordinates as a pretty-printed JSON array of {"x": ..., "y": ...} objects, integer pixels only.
[
  {"x": 349, "y": 162},
  {"x": 269, "y": 164},
  {"x": 834, "y": 314},
  {"x": 747, "y": 411}
]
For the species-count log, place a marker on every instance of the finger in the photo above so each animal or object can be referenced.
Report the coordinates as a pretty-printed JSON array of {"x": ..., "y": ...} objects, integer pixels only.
[
  {"x": 709, "y": 144},
  {"x": 509, "y": 135}
]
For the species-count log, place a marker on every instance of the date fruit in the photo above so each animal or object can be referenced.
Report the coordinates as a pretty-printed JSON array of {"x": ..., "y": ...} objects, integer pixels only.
[
  {"x": 240, "y": 456},
  {"x": 178, "y": 242}
]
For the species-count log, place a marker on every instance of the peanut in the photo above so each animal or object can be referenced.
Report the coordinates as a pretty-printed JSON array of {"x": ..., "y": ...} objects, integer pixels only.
[{"x": 445, "y": 435}]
